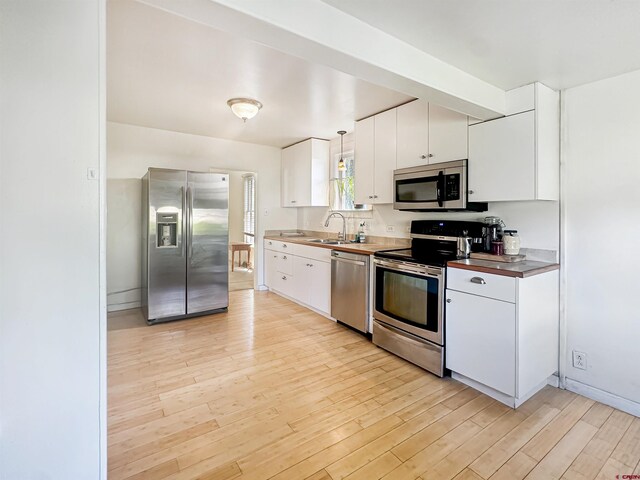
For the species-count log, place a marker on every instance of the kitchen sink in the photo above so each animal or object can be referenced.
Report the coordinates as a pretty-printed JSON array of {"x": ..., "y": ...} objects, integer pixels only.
[{"x": 327, "y": 241}]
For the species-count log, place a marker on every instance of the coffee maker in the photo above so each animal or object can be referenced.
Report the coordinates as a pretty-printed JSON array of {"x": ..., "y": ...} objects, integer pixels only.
[{"x": 491, "y": 231}]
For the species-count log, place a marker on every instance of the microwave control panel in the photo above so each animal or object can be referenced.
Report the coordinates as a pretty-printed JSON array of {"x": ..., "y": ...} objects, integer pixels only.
[{"x": 452, "y": 186}]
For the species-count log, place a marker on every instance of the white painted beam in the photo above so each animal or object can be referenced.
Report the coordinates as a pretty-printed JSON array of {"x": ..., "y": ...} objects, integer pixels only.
[{"x": 320, "y": 33}]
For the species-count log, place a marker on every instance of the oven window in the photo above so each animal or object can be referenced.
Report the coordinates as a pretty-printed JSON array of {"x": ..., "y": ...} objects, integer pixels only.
[
  {"x": 408, "y": 298},
  {"x": 417, "y": 190}
]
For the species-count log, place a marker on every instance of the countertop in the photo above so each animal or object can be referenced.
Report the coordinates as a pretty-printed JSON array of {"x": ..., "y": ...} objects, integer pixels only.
[
  {"x": 524, "y": 269},
  {"x": 363, "y": 248}
]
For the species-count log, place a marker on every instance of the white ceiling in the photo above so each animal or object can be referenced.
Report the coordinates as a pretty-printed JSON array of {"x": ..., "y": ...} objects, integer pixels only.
[
  {"x": 166, "y": 72},
  {"x": 509, "y": 43}
]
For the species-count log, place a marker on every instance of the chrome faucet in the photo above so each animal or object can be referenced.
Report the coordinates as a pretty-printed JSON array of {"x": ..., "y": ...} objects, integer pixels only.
[{"x": 341, "y": 235}]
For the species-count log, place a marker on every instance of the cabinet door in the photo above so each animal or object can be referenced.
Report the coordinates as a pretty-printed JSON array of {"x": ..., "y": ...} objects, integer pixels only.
[
  {"x": 319, "y": 285},
  {"x": 412, "y": 134},
  {"x": 300, "y": 288},
  {"x": 448, "y": 135},
  {"x": 481, "y": 340},
  {"x": 296, "y": 175},
  {"x": 364, "y": 159},
  {"x": 270, "y": 261},
  {"x": 502, "y": 159},
  {"x": 385, "y": 156}
]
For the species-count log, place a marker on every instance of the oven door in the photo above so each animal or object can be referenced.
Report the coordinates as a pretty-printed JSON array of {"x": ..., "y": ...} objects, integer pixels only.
[{"x": 409, "y": 297}]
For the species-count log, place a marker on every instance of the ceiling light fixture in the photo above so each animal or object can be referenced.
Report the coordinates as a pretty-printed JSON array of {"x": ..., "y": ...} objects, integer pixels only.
[
  {"x": 244, "y": 108},
  {"x": 341, "y": 165}
]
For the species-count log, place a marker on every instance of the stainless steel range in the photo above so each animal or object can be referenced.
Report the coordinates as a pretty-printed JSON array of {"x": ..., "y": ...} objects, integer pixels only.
[{"x": 408, "y": 291}]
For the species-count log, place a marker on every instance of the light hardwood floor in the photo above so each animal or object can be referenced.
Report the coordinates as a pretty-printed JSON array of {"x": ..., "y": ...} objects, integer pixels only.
[{"x": 272, "y": 390}]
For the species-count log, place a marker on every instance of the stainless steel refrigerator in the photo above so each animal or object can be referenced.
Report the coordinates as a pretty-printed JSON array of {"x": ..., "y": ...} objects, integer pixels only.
[{"x": 185, "y": 244}]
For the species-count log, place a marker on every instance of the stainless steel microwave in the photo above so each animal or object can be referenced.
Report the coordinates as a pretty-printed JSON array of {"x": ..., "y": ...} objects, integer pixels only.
[{"x": 440, "y": 186}]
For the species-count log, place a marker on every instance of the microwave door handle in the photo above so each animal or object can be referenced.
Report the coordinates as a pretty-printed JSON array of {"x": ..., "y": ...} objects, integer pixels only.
[{"x": 440, "y": 189}]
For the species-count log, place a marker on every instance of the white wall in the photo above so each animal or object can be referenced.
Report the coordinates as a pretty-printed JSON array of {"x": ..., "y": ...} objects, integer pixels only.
[
  {"x": 537, "y": 222},
  {"x": 51, "y": 318},
  {"x": 131, "y": 150},
  {"x": 601, "y": 155}
]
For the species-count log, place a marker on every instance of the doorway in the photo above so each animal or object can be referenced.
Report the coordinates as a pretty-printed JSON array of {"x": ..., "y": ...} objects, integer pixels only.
[{"x": 242, "y": 230}]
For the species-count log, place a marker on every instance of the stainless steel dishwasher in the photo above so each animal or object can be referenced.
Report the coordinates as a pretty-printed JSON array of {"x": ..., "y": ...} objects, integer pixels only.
[{"x": 350, "y": 289}]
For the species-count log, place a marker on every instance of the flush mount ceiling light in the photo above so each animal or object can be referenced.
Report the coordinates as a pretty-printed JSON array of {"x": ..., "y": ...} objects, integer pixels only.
[
  {"x": 341, "y": 165},
  {"x": 244, "y": 108}
]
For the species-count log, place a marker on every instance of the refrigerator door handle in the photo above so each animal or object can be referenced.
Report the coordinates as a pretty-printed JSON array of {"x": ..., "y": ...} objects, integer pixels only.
[
  {"x": 183, "y": 195},
  {"x": 190, "y": 221}
]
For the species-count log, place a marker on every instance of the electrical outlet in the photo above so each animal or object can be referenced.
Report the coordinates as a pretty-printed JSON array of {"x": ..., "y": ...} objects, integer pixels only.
[
  {"x": 579, "y": 360},
  {"x": 407, "y": 229},
  {"x": 391, "y": 228}
]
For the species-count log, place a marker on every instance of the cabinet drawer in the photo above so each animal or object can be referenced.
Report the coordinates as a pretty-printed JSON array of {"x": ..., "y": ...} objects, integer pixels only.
[
  {"x": 284, "y": 263},
  {"x": 279, "y": 246},
  {"x": 484, "y": 284},
  {"x": 284, "y": 283},
  {"x": 316, "y": 253}
]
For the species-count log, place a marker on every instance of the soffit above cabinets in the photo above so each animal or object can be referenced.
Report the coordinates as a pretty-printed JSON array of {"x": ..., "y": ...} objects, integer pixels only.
[
  {"x": 510, "y": 43},
  {"x": 167, "y": 72}
]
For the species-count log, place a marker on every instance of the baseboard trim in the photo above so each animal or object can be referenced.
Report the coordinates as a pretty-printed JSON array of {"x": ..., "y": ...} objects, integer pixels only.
[
  {"x": 326, "y": 315},
  {"x": 123, "y": 306},
  {"x": 508, "y": 400},
  {"x": 615, "y": 401}
]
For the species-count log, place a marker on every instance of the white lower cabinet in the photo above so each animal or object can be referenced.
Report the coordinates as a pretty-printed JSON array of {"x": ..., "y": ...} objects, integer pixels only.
[
  {"x": 313, "y": 281},
  {"x": 481, "y": 335},
  {"x": 501, "y": 333},
  {"x": 270, "y": 259},
  {"x": 302, "y": 273}
]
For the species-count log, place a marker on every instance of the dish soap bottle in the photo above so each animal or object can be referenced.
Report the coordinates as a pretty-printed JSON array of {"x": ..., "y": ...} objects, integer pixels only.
[{"x": 361, "y": 235}]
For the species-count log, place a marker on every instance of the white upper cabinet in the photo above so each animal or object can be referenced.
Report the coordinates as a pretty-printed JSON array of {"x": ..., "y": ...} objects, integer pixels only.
[
  {"x": 364, "y": 159},
  {"x": 428, "y": 133},
  {"x": 413, "y": 134},
  {"x": 375, "y": 158},
  {"x": 517, "y": 157},
  {"x": 305, "y": 174},
  {"x": 385, "y": 156},
  {"x": 448, "y": 135}
]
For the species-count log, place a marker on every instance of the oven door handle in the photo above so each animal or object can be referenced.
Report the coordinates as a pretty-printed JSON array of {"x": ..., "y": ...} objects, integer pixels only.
[{"x": 406, "y": 269}]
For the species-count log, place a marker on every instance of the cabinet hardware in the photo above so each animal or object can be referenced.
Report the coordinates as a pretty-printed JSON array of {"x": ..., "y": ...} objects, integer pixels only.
[
  {"x": 448, "y": 300},
  {"x": 430, "y": 155},
  {"x": 370, "y": 196},
  {"x": 284, "y": 278},
  {"x": 284, "y": 257},
  {"x": 423, "y": 156},
  {"x": 478, "y": 280},
  {"x": 375, "y": 196},
  {"x": 471, "y": 192},
  {"x": 293, "y": 201},
  {"x": 284, "y": 245}
]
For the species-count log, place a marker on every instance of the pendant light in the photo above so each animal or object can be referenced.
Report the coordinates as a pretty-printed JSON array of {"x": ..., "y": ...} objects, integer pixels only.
[
  {"x": 244, "y": 108},
  {"x": 341, "y": 165}
]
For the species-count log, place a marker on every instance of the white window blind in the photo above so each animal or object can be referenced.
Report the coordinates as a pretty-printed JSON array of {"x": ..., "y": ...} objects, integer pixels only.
[{"x": 249, "y": 182}]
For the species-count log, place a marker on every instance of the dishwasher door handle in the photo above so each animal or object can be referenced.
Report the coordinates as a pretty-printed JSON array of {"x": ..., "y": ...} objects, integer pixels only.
[{"x": 346, "y": 260}]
